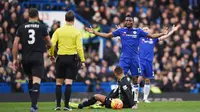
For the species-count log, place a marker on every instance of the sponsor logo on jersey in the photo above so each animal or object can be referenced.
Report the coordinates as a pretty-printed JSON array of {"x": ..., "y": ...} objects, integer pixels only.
[{"x": 150, "y": 41}]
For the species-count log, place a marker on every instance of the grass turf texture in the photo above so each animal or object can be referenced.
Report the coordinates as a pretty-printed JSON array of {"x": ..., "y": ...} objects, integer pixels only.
[{"x": 189, "y": 106}]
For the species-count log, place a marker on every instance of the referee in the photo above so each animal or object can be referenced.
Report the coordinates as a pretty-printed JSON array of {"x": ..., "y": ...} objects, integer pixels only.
[{"x": 69, "y": 43}]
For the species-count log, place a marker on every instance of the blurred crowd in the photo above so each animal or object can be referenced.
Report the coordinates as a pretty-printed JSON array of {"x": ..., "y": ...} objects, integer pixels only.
[{"x": 176, "y": 61}]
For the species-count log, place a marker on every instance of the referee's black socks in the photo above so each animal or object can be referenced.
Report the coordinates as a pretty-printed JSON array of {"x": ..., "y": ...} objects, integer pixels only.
[
  {"x": 68, "y": 90},
  {"x": 58, "y": 95},
  {"x": 35, "y": 94}
]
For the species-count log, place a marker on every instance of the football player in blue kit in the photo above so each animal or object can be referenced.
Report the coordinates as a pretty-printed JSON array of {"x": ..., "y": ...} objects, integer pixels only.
[
  {"x": 130, "y": 39},
  {"x": 146, "y": 55}
]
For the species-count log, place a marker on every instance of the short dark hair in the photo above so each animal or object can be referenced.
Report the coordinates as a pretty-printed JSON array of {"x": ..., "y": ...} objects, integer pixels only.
[
  {"x": 69, "y": 16},
  {"x": 128, "y": 15},
  {"x": 118, "y": 70},
  {"x": 33, "y": 12}
]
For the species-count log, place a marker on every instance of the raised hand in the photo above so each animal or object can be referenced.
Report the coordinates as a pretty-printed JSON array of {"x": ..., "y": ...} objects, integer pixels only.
[
  {"x": 175, "y": 28},
  {"x": 90, "y": 30},
  {"x": 166, "y": 31},
  {"x": 118, "y": 26}
]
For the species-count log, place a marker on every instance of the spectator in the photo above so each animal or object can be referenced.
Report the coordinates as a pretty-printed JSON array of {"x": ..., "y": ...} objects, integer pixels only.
[
  {"x": 98, "y": 89},
  {"x": 109, "y": 54},
  {"x": 18, "y": 82},
  {"x": 11, "y": 36},
  {"x": 167, "y": 85}
]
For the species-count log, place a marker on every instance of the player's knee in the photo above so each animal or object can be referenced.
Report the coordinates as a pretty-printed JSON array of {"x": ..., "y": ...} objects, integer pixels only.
[
  {"x": 36, "y": 80},
  {"x": 96, "y": 96},
  {"x": 68, "y": 81},
  {"x": 135, "y": 79},
  {"x": 59, "y": 81},
  {"x": 147, "y": 81},
  {"x": 140, "y": 78}
]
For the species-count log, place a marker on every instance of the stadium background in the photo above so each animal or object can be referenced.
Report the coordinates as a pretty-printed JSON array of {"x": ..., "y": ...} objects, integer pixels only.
[{"x": 176, "y": 62}]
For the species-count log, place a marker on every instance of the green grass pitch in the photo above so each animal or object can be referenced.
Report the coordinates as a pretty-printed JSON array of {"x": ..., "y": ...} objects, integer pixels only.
[{"x": 189, "y": 106}]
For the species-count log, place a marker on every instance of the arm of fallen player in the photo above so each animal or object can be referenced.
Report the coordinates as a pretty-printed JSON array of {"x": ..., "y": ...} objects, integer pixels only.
[{"x": 129, "y": 95}]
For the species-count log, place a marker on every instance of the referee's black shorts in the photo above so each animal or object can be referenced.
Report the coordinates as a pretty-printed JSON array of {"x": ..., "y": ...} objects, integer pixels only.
[{"x": 67, "y": 66}]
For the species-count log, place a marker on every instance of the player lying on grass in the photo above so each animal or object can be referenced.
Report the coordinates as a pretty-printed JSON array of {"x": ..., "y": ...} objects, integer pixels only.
[
  {"x": 123, "y": 92},
  {"x": 146, "y": 55}
]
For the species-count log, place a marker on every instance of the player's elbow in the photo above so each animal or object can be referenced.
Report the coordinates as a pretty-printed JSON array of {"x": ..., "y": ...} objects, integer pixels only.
[
  {"x": 150, "y": 36},
  {"x": 109, "y": 35},
  {"x": 79, "y": 49}
]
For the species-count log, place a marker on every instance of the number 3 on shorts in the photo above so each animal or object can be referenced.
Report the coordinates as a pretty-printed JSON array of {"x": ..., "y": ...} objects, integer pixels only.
[{"x": 31, "y": 36}]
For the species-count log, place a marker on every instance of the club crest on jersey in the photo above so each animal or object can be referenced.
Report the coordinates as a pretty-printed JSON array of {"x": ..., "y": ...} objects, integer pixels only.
[
  {"x": 124, "y": 34},
  {"x": 134, "y": 32}
]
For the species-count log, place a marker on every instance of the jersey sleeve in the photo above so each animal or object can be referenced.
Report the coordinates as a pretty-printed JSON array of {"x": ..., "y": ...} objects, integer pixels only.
[
  {"x": 19, "y": 32},
  {"x": 116, "y": 32},
  {"x": 46, "y": 33},
  {"x": 113, "y": 93},
  {"x": 142, "y": 33},
  {"x": 128, "y": 93},
  {"x": 53, "y": 41},
  {"x": 156, "y": 40},
  {"x": 79, "y": 47}
]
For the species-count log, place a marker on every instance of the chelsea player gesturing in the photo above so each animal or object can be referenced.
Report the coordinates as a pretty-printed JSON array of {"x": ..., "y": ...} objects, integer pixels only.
[{"x": 130, "y": 39}]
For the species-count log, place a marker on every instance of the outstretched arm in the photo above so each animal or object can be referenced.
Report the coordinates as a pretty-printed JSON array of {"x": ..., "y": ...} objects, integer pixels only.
[
  {"x": 158, "y": 35},
  {"x": 170, "y": 33},
  {"x": 155, "y": 35},
  {"x": 105, "y": 35}
]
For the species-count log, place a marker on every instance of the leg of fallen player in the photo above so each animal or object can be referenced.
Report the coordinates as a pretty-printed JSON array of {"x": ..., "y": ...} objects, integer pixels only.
[
  {"x": 93, "y": 100},
  {"x": 146, "y": 90}
]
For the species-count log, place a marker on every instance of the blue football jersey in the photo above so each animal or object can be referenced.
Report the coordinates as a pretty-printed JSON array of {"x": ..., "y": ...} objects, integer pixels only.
[
  {"x": 130, "y": 39},
  {"x": 146, "y": 48}
]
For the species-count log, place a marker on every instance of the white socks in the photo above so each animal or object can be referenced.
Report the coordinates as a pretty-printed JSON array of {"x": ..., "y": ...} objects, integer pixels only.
[
  {"x": 135, "y": 89},
  {"x": 146, "y": 91}
]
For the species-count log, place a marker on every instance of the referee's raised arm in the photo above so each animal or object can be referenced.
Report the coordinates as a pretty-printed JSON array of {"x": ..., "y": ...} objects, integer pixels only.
[{"x": 70, "y": 45}]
